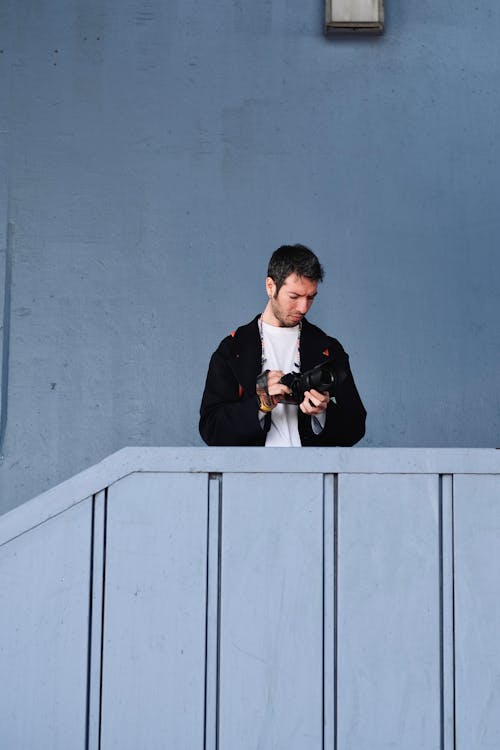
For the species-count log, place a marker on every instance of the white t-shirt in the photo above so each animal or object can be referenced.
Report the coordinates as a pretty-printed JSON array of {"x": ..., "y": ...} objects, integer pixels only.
[{"x": 281, "y": 353}]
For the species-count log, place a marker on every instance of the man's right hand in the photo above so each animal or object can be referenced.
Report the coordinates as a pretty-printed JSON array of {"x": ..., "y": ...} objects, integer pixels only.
[{"x": 276, "y": 389}]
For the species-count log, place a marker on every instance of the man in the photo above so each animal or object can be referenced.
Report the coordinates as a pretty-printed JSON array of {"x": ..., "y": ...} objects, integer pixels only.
[{"x": 244, "y": 402}]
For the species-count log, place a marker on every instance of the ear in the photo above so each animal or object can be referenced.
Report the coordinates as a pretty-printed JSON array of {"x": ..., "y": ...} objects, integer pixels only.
[{"x": 270, "y": 287}]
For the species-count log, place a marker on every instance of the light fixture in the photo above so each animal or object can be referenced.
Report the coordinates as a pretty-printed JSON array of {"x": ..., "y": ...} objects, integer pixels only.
[{"x": 359, "y": 16}]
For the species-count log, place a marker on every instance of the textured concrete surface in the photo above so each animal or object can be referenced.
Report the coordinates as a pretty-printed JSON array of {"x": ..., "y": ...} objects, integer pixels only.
[
  {"x": 152, "y": 155},
  {"x": 236, "y": 602}
]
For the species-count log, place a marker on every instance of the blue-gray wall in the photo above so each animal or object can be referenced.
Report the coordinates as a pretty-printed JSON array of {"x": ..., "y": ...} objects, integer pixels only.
[{"x": 154, "y": 153}]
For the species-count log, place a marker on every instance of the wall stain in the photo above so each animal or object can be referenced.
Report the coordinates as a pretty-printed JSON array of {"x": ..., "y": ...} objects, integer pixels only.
[{"x": 4, "y": 387}]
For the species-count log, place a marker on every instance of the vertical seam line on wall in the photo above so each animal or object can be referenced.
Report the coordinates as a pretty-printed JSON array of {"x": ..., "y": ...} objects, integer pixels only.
[
  {"x": 219, "y": 610},
  {"x": 89, "y": 637},
  {"x": 446, "y": 613},
  {"x": 335, "y": 604},
  {"x": 4, "y": 388},
  {"x": 328, "y": 736},
  {"x": 453, "y": 609},
  {"x": 104, "y": 552},
  {"x": 206, "y": 614},
  {"x": 441, "y": 619},
  {"x": 212, "y": 611},
  {"x": 323, "y": 617}
]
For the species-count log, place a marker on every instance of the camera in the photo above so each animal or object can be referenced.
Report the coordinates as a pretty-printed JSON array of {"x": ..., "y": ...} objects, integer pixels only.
[{"x": 325, "y": 377}]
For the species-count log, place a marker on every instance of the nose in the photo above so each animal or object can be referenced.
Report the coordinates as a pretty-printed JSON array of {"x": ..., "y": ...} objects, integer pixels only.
[{"x": 302, "y": 306}]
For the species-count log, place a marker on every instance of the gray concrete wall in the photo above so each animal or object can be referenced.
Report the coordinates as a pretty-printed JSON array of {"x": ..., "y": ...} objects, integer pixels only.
[{"x": 153, "y": 154}]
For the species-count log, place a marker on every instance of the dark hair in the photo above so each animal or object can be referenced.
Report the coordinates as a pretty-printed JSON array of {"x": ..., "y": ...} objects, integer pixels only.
[{"x": 297, "y": 259}]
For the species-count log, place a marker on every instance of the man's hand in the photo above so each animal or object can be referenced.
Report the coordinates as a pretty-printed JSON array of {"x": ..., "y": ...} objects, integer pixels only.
[
  {"x": 314, "y": 402},
  {"x": 276, "y": 389}
]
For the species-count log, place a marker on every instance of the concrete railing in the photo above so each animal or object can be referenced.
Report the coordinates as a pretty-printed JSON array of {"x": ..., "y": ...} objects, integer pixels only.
[{"x": 238, "y": 599}]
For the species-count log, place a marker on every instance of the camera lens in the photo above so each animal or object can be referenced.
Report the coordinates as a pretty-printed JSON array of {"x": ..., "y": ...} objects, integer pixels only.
[{"x": 321, "y": 378}]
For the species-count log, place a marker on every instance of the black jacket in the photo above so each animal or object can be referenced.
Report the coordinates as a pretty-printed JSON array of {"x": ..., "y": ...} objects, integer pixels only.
[{"x": 229, "y": 408}]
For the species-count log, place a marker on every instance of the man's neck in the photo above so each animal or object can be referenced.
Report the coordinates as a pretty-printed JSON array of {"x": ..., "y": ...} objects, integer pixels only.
[{"x": 268, "y": 317}]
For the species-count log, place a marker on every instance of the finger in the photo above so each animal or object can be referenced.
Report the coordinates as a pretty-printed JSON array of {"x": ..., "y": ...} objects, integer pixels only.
[
  {"x": 276, "y": 384},
  {"x": 313, "y": 404},
  {"x": 312, "y": 398},
  {"x": 275, "y": 374},
  {"x": 278, "y": 389},
  {"x": 273, "y": 378},
  {"x": 306, "y": 408},
  {"x": 307, "y": 405},
  {"x": 320, "y": 396},
  {"x": 321, "y": 400}
]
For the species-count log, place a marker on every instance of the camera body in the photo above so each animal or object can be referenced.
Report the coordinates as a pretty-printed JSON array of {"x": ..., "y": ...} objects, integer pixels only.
[{"x": 325, "y": 377}]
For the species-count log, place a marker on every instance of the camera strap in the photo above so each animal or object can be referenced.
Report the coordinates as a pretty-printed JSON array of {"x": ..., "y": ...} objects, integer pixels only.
[{"x": 263, "y": 353}]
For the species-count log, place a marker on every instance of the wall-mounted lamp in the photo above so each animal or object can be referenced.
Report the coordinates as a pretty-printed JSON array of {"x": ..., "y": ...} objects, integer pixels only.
[{"x": 360, "y": 16}]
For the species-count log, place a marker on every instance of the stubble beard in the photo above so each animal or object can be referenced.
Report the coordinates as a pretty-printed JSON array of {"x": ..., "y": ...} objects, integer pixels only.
[{"x": 279, "y": 317}]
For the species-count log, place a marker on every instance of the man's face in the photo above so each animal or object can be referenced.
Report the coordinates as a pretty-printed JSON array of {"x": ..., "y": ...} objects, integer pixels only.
[{"x": 293, "y": 300}]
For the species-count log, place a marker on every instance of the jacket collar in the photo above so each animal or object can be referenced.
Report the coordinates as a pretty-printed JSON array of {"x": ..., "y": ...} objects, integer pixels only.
[{"x": 246, "y": 349}]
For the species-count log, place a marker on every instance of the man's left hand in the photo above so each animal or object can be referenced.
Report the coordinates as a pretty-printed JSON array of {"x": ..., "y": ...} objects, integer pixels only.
[{"x": 314, "y": 402}]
